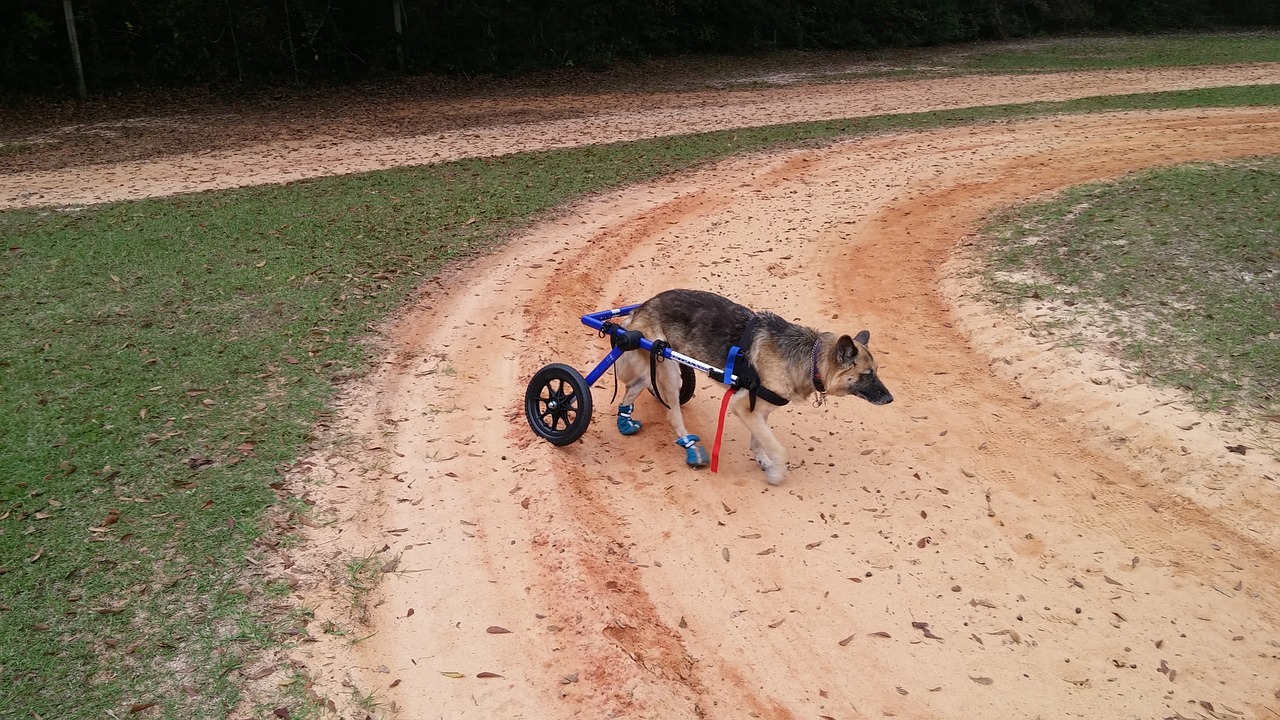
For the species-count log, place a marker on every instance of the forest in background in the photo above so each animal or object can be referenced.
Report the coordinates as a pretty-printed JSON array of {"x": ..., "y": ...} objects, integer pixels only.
[{"x": 180, "y": 43}]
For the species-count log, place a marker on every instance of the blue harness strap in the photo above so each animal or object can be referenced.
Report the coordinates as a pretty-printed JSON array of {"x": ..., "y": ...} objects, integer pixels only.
[{"x": 730, "y": 361}]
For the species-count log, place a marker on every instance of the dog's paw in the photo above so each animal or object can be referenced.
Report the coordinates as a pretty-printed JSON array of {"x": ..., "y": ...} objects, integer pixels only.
[
  {"x": 627, "y": 425},
  {"x": 763, "y": 461},
  {"x": 694, "y": 454},
  {"x": 774, "y": 475}
]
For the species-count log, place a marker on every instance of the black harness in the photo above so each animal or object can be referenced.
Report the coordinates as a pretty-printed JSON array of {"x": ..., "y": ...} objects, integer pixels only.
[{"x": 736, "y": 365}]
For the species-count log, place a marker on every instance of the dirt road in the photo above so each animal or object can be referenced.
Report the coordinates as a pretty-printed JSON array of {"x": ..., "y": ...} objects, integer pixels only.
[{"x": 1024, "y": 532}]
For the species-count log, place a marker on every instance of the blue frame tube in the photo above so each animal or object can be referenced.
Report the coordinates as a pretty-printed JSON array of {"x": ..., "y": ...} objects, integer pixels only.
[{"x": 597, "y": 320}]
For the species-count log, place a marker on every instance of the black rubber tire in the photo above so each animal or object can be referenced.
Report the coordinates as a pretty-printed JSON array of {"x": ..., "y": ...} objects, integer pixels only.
[
  {"x": 557, "y": 404},
  {"x": 688, "y": 382}
]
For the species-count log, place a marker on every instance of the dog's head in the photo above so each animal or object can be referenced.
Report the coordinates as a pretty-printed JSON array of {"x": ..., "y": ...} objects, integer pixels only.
[{"x": 855, "y": 371}]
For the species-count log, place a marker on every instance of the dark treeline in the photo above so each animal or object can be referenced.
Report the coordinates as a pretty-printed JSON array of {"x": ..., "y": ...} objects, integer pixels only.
[{"x": 133, "y": 43}]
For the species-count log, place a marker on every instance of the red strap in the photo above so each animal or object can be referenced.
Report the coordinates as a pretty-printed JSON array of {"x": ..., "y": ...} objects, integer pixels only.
[{"x": 715, "y": 447}]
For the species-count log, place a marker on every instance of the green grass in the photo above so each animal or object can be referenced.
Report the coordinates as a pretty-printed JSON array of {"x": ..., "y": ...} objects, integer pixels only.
[
  {"x": 13, "y": 148},
  {"x": 1180, "y": 267},
  {"x": 1119, "y": 52},
  {"x": 160, "y": 360}
]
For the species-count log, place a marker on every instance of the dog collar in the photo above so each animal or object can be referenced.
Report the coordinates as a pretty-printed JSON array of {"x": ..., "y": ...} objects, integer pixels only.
[{"x": 818, "y": 385}]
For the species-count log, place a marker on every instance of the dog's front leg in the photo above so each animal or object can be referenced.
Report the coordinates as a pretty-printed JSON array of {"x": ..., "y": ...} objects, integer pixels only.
[{"x": 769, "y": 453}]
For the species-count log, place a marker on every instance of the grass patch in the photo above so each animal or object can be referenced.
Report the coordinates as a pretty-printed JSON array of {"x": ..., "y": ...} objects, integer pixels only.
[
  {"x": 1179, "y": 267},
  {"x": 1114, "y": 52},
  {"x": 159, "y": 360},
  {"x": 9, "y": 149}
]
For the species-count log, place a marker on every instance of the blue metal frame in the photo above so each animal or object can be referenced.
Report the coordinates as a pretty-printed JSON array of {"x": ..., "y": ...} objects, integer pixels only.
[{"x": 597, "y": 320}]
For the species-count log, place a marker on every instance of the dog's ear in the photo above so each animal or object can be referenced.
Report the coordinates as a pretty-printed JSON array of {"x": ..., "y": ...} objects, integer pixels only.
[
  {"x": 863, "y": 337},
  {"x": 846, "y": 350}
]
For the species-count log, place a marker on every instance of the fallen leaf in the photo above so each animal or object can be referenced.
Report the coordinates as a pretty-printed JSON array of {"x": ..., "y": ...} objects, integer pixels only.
[
  {"x": 1238, "y": 449},
  {"x": 770, "y": 551},
  {"x": 496, "y": 630},
  {"x": 925, "y": 627},
  {"x": 978, "y": 602},
  {"x": 880, "y": 633},
  {"x": 725, "y": 553},
  {"x": 1013, "y": 635},
  {"x": 727, "y": 510},
  {"x": 846, "y": 641},
  {"x": 812, "y": 545},
  {"x": 1112, "y": 582},
  {"x": 488, "y": 675},
  {"x": 569, "y": 679},
  {"x": 981, "y": 680},
  {"x": 922, "y": 542},
  {"x": 139, "y": 707},
  {"x": 281, "y": 712},
  {"x": 752, "y": 536},
  {"x": 451, "y": 674},
  {"x": 776, "y": 624}
]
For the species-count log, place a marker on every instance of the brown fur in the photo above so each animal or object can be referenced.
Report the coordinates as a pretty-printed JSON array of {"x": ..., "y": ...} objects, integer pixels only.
[{"x": 704, "y": 325}]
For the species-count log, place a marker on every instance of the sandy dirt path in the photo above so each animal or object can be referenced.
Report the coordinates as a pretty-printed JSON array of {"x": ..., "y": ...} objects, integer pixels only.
[
  {"x": 1025, "y": 532},
  {"x": 470, "y": 128}
]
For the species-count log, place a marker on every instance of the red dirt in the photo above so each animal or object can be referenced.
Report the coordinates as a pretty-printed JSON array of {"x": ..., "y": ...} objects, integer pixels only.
[{"x": 1079, "y": 543}]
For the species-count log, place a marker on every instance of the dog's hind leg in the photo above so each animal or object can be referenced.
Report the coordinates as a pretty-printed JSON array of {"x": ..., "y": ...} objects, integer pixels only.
[
  {"x": 769, "y": 453},
  {"x": 669, "y": 381},
  {"x": 632, "y": 369}
]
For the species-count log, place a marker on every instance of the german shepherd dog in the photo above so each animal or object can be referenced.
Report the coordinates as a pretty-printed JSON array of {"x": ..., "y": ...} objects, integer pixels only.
[{"x": 792, "y": 361}]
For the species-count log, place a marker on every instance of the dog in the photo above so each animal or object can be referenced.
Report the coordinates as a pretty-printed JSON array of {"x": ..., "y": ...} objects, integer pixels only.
[{"x": 782, "y": 362}]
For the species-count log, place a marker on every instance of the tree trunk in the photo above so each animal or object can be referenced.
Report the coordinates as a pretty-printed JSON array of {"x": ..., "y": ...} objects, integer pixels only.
[
  {"x": 75, "y": 48},
  {"x": 397, "y": 9}
]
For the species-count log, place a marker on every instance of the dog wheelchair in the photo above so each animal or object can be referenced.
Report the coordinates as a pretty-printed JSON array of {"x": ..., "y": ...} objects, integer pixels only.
[{"x": 557, "y": 401}]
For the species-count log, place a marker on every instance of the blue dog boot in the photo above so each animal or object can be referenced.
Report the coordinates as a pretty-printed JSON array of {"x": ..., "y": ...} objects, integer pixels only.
[
  {"x": 626, "y": 425},
  {"x": 694, "y": 454}
]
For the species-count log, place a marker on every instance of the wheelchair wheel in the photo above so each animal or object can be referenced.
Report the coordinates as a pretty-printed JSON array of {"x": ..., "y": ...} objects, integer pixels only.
[
  {"x": 688, "y": 381},
  {"x": 557, "y": 404}
]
